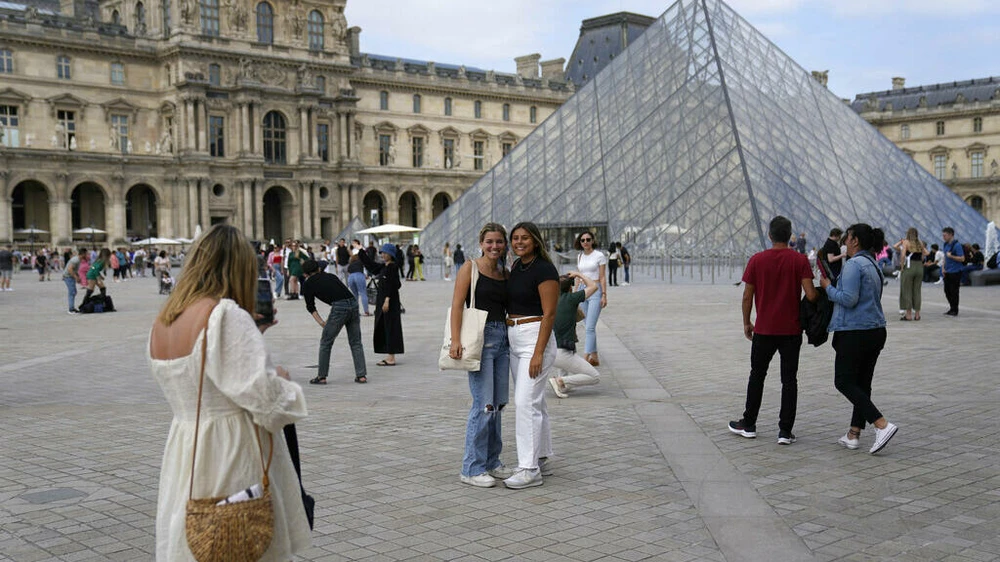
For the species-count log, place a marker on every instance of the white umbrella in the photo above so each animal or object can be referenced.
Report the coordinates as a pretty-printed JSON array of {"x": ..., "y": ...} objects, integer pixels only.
[
  {"x": 388, "y": 229},
  {"x": 183, "y": 240},
  {"x": 89, "y": 230},
  {"x": 154, "y": 241},
  {"x": 31, "y": 230}
]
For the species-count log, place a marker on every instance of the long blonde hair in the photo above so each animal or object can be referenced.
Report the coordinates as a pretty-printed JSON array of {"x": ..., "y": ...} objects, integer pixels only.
[
  {"x": 913, "y": 241},
  {"x": 221, "y": 265}
]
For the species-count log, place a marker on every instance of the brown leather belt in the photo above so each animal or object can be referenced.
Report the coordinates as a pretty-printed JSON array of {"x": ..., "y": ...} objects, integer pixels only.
[{"x": 528, "y": 320}]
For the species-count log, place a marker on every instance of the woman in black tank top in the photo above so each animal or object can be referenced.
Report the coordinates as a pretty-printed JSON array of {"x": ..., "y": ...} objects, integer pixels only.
[{"x": 489, "y": 385}]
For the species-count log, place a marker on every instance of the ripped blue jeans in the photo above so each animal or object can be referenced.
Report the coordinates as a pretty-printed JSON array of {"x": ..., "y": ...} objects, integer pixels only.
[{"x": 490, "y": 388}]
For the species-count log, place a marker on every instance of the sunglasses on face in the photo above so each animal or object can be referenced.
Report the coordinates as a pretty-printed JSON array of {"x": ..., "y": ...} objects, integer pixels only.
[{"x": 586, "y": 240}]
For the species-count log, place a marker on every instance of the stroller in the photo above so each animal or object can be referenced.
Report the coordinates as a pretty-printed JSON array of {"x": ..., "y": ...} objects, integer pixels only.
[{"x": 166, "y": 283}]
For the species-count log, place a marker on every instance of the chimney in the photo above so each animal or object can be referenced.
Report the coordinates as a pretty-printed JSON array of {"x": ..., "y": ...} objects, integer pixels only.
[
  {"x": 354, "y": 41},
  {"x": 527, "y": 66},
  {"x": 553, "y": 69},
  {"x": 898, "y": 83}
]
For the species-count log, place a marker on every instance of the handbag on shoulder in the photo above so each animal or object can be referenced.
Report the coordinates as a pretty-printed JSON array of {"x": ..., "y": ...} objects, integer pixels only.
[
  {"x": 231, "y": 532},
  {"x": 473, "y": 324}
]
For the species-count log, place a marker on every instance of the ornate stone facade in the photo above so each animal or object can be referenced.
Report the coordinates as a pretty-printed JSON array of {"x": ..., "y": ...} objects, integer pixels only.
[
  {"x": 154, "y": 118},
  {"x": 951, "y": 129}
]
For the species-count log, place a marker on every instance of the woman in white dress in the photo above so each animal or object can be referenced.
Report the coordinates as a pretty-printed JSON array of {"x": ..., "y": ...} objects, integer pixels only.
[{"x": 210, "y": 309}]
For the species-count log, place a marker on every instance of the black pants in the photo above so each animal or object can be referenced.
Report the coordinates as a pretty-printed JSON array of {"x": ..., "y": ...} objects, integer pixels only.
[
  {"x": 952, "y": 282},
  {"x": 854, "y": 368},
  {"x": 761, "y": 353},
  {"x": 613, "y": 275}
]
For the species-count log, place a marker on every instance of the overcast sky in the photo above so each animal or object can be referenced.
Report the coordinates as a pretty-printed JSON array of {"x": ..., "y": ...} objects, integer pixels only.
[{"x": 863, "y": 43}]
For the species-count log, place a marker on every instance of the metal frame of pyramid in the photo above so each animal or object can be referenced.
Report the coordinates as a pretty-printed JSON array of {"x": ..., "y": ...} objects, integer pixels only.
[{"x": 691, "y": 140}]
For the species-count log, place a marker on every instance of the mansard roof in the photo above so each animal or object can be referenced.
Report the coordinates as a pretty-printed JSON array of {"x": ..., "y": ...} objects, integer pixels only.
[
  {"x": 934, "y": 95},
  {"x": 601, "y": 40}
]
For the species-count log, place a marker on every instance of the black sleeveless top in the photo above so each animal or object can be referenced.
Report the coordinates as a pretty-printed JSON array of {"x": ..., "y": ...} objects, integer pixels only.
[{"x": 491, "y": 296}]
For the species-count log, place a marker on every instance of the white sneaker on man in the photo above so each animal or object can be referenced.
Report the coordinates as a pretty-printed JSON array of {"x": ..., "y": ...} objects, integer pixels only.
[
  {"x": 849, "y": 443},
  {"x": 524, "y": 478},
  {"x": 501, "y": 472},
  {"x": 483, "y": 480},
  {"x": 882, "y": 437}
]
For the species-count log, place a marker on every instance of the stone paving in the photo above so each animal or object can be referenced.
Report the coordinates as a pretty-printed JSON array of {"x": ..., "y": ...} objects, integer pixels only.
[{"x": 646, "y": 469}]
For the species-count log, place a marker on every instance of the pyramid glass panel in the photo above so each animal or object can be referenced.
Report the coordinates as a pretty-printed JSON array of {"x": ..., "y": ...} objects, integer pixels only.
[{"x": 691, "y": 140}]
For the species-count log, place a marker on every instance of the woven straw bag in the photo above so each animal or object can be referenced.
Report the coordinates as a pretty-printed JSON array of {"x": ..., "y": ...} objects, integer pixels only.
[{"x": 235, "y": 532}]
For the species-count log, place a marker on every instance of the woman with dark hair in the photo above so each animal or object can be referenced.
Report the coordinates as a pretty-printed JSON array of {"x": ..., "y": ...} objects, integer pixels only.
[
  {"x": 592, "y": 263},
  {"x": 858, "y": 326},
  {"x": 481, "y": 466},
  {"x": 95, "y": 275},
  {"x": 533, "y": 289},
  {"x": 388, "y": 336}
]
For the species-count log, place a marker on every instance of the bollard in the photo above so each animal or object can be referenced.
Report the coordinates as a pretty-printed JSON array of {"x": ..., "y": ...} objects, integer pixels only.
[
  {"x": 713, "y": 270},
  {"x": 671, "y": 269},
  {"x": 701, "y": 268}
]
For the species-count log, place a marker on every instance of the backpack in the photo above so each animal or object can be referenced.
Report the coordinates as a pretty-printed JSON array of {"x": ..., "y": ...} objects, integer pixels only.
[
  {"x": 814, "y": 317},
  {"x": 97, "y": 304}
]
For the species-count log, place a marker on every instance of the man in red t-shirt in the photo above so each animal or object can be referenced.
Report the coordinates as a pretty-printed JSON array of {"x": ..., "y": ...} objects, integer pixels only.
[{"x": 774, "y": 280}]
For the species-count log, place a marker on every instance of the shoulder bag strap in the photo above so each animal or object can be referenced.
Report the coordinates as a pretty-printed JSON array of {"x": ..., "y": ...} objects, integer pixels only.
[
  {"x": 197, "y": 421},
  {"x": 474, "y": 276}
]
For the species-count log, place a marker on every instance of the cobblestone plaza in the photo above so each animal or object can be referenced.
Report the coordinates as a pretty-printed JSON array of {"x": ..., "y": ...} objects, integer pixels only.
[{"x": 646, "y": 468}]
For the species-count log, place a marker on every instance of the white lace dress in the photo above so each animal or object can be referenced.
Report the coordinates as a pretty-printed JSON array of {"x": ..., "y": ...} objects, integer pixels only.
[{"x": 241, "y": 388}]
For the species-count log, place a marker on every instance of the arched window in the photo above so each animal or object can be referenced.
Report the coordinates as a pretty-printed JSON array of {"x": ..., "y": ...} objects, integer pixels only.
[
  {"x": 265, "y": 23},
  {"x": 116, "y": 18},
  {"x": 315, "y": 31},
  {"x": 274, "y": 138},
  {"x": 165, "y": 5},
  {"x": 140, "y": 18}
]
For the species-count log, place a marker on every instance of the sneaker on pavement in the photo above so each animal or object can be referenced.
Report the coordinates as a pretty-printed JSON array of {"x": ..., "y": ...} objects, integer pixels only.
[
  {"x": 786, "y": 438},
  {"x": 483, "y": 480},
  {"x": 524, "y": 478},
  {"x": 882, "y": 437},
  {"x": 501, "y": 472},
  {"x": 73, "y": 311},
  {"x": 545, "y": 466},
  {"x": 846, "y": 441},
  {"x": 555, "y": 388},
  {"x": 741, "y": 428}
]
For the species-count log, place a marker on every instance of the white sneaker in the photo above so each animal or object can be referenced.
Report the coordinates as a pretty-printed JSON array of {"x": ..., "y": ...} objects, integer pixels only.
[
  {"x": 882, "y": 437},
  {"x": 625, "y": 284},
  {"x": 501, "y": 472},
  {"x": 483, "y": 480},
  {"x": 545, "y": 466},
  {"x": 849, "y": 443},
  {"x": 524, "y": 478},
  {"x": 555, "y": 388}
]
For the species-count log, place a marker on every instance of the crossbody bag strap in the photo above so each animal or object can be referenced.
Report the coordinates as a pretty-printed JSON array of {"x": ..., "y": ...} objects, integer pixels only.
[{"x": 197, "y": 422}]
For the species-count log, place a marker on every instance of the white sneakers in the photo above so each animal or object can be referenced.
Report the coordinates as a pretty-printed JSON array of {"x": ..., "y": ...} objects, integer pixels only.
[
  {"x": 501, "y": 472},
  {"x": 483, "y": 480},
  {"x": 849, "y": 443},
  {"x": 524, "y": 478},
  {"x": 882, "y": 437},
  {"x": 559, "y": 392}
]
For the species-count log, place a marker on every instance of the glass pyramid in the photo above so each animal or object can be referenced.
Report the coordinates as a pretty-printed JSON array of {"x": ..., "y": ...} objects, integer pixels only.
[{"x": 691, "y": 140}]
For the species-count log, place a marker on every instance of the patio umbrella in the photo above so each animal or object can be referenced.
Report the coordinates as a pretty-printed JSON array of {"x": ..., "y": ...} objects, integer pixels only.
[
  {"x": 154, "y": 241},
  {"x": 89, "y": 230},
  {"x": 388, "y": 229},
  {"x": 31, "y": 232}
]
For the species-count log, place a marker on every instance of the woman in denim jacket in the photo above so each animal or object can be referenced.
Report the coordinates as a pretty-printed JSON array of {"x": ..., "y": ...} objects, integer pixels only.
[{"x": 858, "y": 327}]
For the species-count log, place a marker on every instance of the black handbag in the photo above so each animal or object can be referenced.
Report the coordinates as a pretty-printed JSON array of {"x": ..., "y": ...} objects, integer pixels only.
[{"x": 292, "y": 439}]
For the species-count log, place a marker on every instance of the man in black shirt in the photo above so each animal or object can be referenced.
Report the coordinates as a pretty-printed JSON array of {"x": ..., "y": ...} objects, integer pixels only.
[
  {"x": 343, "y": 312},
  {"x": 830, "y": 253},
  {"x": 343, "y": 257},
  {"x": 459, "y": 257},
  {"x": 974, "y": 262}
]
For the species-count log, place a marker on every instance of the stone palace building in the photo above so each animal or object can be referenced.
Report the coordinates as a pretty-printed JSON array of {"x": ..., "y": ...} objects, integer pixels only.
[
  {"x": 951, "y": 129},
  {"x": 151, "y": 118}
]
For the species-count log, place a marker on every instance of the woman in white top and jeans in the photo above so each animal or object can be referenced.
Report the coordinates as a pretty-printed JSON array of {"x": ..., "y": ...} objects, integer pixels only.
[{"x": 592, "y": 263}]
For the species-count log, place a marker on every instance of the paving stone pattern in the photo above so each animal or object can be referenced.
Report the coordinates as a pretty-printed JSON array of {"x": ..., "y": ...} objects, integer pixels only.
[{"x": 646, "y": 469}]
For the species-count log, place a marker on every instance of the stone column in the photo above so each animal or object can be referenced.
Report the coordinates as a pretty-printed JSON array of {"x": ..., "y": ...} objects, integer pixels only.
[
  {"x": 258, "y": 205},
  {"x": 244, "y": 129},
  {"x": 305, "y": 191},
  {"x": 164, "y": 219},
  {"x": 352, "y": 149},
  {"x": 205, "y": 218},
  {"x": 356, "y": 202},
  {"x": 247, "y": 199},
  {"x": 192, "y": 203},
  {"x": 258, "y": 142},
  {"x": 203, "y": 127},
  {"x": 426, "y": 208},
  {"x": 6, "y": 219},
  {"x": 116, "y": 230},
  {"x": 391, "y": 207},
  {"x": 189, "y": 123},
  {"x": 317, "y": 224},
  {"x": 304, "y": 151},
  {"x": 345, "y": 204},
  {"x": 342, "y": 136},
  {"x": 179, "y": 197}
]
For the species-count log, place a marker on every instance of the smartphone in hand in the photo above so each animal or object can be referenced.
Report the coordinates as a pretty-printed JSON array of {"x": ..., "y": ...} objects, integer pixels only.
[{"x": 265, "y": 302}]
